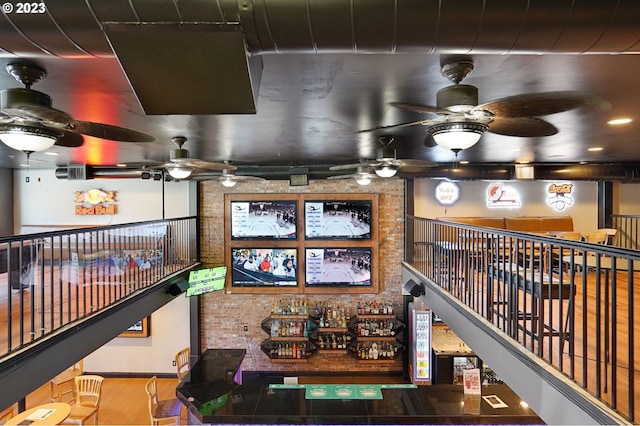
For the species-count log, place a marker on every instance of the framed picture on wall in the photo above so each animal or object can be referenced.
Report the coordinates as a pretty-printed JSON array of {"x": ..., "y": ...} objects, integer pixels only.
[{"x": 141, "y": 328}]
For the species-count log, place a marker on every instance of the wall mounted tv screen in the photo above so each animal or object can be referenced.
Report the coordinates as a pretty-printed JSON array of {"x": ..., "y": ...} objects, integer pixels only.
[
  {"x": 338, "y": 267},
  {"x": 264, "y": 267},
  {"x": 264, "y": 220},
  {"x": 327, "y": 220}
]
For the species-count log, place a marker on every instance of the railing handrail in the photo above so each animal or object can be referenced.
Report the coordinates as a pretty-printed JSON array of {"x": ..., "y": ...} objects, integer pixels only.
[
  {"x": 59, "y": 277},
  {"x": 85, "y": 229},
  {"x": 583, "y": 337}
]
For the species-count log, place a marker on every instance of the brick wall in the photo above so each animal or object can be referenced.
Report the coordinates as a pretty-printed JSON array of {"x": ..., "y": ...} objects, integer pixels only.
[{"x": 223, "y": 316}]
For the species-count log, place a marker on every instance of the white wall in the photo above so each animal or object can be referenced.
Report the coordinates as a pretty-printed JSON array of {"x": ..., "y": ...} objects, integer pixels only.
[
  {"x": 49, "y": 202},
  {"x": 46, "y": 200},
  {"x": 6, "y": 199},
  {"x": 151, "y": 355},
  {"x": 626, "y": 198},
  {"x": 473, "y": 201}
]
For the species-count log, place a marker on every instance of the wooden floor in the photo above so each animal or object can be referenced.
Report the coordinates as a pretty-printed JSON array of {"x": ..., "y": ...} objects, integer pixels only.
[{"x": 124, "y": 401}]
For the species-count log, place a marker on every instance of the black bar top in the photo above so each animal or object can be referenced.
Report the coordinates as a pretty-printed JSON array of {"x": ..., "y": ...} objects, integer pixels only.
[{"x": 210, "y": 385}]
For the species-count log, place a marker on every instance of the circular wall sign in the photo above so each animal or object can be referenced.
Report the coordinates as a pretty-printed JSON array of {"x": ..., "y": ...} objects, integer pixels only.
[{"x": 447, "y": 193}]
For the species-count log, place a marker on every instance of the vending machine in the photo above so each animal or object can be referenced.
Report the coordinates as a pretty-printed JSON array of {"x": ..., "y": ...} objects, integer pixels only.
[{"x": 420, "y": 365}]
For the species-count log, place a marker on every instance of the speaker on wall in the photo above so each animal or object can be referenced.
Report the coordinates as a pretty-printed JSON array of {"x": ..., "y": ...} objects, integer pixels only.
[
  {"x": 176, "y": 288},
  {"x": 414, "y": 289}
]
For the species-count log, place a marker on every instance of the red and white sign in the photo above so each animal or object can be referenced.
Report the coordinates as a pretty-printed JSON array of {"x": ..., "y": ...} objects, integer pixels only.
[
  {"x": 502, "y": 196},
  {"x": 95, "y": 202}
]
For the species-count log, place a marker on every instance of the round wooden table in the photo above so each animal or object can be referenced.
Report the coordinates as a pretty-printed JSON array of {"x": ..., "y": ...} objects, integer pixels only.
[{"x": 49, "y": 414}]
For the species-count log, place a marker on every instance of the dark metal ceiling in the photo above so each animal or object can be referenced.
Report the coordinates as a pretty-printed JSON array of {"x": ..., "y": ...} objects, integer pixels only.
[{"x": 316, "y": 72}]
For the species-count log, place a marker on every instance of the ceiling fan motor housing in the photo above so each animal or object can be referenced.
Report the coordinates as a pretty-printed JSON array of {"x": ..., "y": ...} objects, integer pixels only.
[
  {"x": 457, "y": 94},
  {"x": 14, "y": 98},
  {"x": 178, "y": 154}
]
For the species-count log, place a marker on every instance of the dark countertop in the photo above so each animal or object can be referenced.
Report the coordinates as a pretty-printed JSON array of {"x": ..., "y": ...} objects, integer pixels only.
[{"x": 212, "y": 377}]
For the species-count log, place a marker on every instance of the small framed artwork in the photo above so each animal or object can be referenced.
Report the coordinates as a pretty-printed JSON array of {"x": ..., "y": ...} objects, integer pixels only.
[{"x": 141, "y": 328}]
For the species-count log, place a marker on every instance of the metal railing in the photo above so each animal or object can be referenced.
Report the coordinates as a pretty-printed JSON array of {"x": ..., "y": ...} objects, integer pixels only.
[
  {"x": 570, "y": 303},
  {"x": 51, "y": 280},
  {"x": 628, "y": 227}
]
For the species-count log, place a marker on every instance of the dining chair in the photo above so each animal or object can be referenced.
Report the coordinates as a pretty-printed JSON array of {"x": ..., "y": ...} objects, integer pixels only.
[
  {"x": 166, "y": 411},
  {"x": 61, "y": 387},
  {"x": 597, "y": 237},
  {"x": 88, "y": 388},
  {"x": 611, "y": 235},
  {"x": 182, "y": 362}
]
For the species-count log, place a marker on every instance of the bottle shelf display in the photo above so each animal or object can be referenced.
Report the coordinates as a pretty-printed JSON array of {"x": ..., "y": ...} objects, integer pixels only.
[{"x": 297, "y": 331}]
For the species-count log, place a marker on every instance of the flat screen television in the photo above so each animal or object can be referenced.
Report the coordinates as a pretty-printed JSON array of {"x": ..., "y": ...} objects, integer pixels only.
[
  {"x": 264, "y": 267},
  {"x": 338, "y": 267},
  {"x": 337, "y": 220},
  {"x": 252, "y": 220}
]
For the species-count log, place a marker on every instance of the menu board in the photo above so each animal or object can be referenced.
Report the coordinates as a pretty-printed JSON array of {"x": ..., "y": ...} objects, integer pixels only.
[
  {"x": 421, "y": 345},
  {"x": 206, "y": 280}
]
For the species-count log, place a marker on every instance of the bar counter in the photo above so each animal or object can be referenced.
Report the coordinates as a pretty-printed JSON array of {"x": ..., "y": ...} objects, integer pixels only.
[{"x": 212, "y": 393}]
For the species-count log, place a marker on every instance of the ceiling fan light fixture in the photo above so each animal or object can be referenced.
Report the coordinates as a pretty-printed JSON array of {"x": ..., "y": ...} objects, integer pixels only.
[
  {"x": 363, "y": 179},
  {"x": 180, "y": 172},
  {"x": 457, "y": 136},
  {"x": 386, "y": 171},
  {"x": 228, "y": 182},
  {"x": 27, "y": 138}
]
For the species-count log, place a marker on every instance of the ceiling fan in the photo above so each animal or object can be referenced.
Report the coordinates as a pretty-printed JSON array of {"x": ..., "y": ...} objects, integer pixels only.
[
  {"x": 385, "y": 165},
  {"x": 363, "y": 175},
  {"x": 458, "y": 121},
  {"x": 181, "y": 166},
  {"x": 29, "y": 123}
]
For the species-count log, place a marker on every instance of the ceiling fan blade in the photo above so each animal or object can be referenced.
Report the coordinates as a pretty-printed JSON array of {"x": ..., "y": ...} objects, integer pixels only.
[
  {"x": 393, "y": 126},
  {"x": 107, "y": 131},
  {"x": 416, "y": 163},
  {"x": 208, "y": 165},
  {"x": 425, "y": 109},
  {"x": 521, "y": 126},
  {"x": 545, "y": 103},
  {"x": 51, "y": 116},
  {"x": 70, "y": 139},
  {"x": 245, "y": 178},
  {"x": 355, "y": 165}
]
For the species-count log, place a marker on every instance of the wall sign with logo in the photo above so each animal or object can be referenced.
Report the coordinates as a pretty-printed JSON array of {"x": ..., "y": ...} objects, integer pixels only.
[
  {"x": 95, "y": 202},
  {"x": 560, "y": 197},
  {"x": 447, "y": 193},
  {"x": 500, "y": 195}
]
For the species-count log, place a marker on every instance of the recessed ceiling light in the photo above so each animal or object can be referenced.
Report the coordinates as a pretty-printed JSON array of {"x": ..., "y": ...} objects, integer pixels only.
[
  {"x": 51, "y": 153},
  {"x": 619, "y": 121},
  {"x": 595, "y": 148},
  {"x": 464, "y": 162}
]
